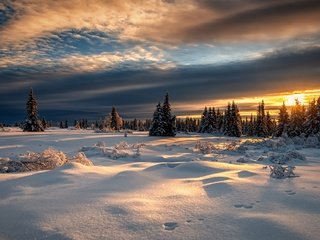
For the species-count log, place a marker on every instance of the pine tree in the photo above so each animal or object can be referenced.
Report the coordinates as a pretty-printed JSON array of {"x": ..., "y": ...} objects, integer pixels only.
[
  {"x": 283, "y": 121},
  {"x": 297, "y": 120},
  {"x": 252, "y": 124},
  {"x": 312, "y": 123},
  {"x": 261, "y": 124},
  {"x": 157, "y": 126},
  {"x": 32, "y": 123},
  {"x": 235, "y": 121},
  {"x": 205, "y": 124},
  {"x": 169, "y": 120},
  {"x": 269, "y": 124},
  {"x": 226, "y": 121},
  {"x": 115, "y": 120}
]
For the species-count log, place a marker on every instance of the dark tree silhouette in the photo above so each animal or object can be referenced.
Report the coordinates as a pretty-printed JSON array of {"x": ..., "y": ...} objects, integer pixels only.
[{"x": 32, "y": 123}]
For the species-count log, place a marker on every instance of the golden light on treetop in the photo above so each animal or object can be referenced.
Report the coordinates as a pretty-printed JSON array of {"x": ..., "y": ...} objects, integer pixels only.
[{"x": 291, "y": 99}]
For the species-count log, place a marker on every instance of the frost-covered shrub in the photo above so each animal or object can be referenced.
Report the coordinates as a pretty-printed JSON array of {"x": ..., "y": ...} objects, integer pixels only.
[
  {"x": 233, "y": 146},
  {"x": 295, "y": 155},
  {"x": 46, "y": 160},
  {"x": 81, "y": 158},
  {"x": 283, "y": 158},
  {"x": 120, "y": 150},
  {"x": 204, "y": 147},
  {"x": 122, "y": 146},
  {"x": 8, "y": 166},
  {"x": 280, "y": 172}
]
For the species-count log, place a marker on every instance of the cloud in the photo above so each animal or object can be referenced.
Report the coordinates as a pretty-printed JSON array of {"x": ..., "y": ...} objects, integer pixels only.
[
  {"x": 150, "y": 57},
  {"x": 136, "y": 92},
  {"x": 173, "y": 22}
]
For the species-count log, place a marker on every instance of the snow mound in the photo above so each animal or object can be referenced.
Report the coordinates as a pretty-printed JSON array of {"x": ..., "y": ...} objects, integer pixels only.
[
  {"x": 120, "y": 150},
  {"x": 245, "y": 174},
  {"x": 184, "y": 170}
]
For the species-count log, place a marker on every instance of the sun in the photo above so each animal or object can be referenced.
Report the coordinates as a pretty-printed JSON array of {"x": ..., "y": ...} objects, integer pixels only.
[{"x": 291, "y": 99}]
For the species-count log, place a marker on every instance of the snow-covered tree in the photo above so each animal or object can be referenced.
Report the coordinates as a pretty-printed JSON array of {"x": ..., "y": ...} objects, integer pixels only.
[
  {"x": 163, "y": 123},
  {"x": 206, "y": 125},
  {"x": 32, "y": 122},
  {"x": 169, "y": 120},
  {"x": 312, "y": 123},
  {"x": 269, "y": 124},
  {"x": 157, "y": 126},
  {"x": 235, "y": 121},
  {"x": 227, "y": 121},
  {"x": 261, "y": 122},
  {"x": 232, "y": 124},
  {"x": 283, "y": 121},
  {"x": 297, "y": 120},
  {"x": 116, "y": 122}
]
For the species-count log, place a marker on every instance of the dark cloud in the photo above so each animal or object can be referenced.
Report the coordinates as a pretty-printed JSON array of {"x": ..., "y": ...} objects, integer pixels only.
[
  {"x": 246, "y": 20},
  {"x": 133, "y": 92}
]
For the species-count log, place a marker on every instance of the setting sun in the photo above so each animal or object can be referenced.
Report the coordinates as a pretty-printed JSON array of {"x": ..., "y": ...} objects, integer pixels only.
[{"x": 291, "y": 99}]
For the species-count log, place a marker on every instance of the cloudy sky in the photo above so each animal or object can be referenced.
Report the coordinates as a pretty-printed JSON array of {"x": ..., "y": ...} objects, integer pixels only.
[{"x": 83, "y": 56}]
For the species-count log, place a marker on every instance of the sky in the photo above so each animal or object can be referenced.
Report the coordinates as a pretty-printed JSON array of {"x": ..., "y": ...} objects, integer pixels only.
[{"x": 81, "y": 57}]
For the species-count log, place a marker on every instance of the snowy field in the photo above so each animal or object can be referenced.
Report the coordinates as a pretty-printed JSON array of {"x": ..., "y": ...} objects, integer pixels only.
[{"x": 188, "y": 187}]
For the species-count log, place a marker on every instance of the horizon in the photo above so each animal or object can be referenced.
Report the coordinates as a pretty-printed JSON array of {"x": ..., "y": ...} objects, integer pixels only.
[{"x": 100, "y": 54}]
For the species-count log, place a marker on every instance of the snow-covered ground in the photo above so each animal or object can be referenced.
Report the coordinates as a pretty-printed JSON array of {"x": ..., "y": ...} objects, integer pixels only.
[{"x": 188, "y": 187}]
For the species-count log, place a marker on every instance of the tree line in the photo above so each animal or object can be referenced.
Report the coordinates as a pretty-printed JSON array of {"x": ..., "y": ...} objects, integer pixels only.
[{"x": 302, "y": 121}]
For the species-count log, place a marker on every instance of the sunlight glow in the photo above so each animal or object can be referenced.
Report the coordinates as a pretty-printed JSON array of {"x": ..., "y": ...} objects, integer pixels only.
[
  {"x": 291, "y": 99},
  {"x": 248, "y": 105}
]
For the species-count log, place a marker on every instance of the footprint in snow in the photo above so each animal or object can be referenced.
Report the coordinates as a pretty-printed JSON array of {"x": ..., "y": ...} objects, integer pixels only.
[
  {"x": 290, "y": 192},
  {"x": 170, "y": 226},
  {"x": 246, "y": 206}
]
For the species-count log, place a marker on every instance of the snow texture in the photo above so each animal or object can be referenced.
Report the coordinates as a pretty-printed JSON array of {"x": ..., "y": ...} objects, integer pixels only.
[{"x": 107, "y": 186}]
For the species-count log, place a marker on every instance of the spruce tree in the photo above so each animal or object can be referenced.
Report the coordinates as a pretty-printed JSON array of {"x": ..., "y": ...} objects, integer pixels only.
[
  {"x": 169, "y": 120},
  {"x": 261, "y": 124},
  {"x": 157, "y": 126},
  {"x": 204, "y": 125},
  {"x": 269, "y": 124},
  {"x": 297, "y": 120},
  {"x": 32, "y": 123},
  {"x": 312, "y": 123},
  {"x": 115, "y": 120},
  {"x": 283, "y": 121},
  {"x": 235, "y": 121}
]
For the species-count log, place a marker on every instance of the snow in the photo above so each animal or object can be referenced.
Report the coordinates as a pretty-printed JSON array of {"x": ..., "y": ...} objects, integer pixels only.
[{"x": 107, "y": 186}]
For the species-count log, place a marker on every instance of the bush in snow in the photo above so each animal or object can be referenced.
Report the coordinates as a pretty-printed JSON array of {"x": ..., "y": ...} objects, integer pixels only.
[
  {"x": 46, "y": 160},
  {"x": 283, "y": 158},
  {"x": 204, "y": 147},
  {"x": 280, "y": 172},
  {"x": 81, "y": 158},
  {"x": 120, "y": 150},
  {"x": 8, "y": 166}
]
